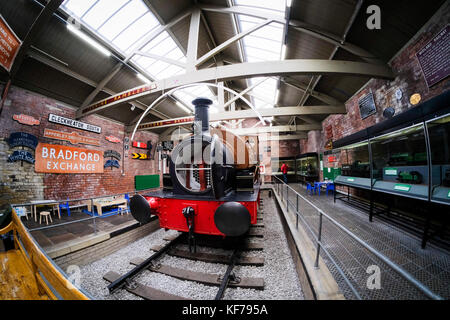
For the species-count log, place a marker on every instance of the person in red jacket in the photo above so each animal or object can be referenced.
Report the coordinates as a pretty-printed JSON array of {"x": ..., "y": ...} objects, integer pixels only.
[{"x": 284, "y": 170}]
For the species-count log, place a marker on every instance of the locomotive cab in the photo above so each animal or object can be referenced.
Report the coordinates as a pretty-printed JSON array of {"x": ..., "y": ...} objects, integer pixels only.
[{"x": 208, "y": 190}]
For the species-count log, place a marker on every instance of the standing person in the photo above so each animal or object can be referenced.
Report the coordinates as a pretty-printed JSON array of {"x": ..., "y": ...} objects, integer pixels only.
[{"x": 284, "y": 170}]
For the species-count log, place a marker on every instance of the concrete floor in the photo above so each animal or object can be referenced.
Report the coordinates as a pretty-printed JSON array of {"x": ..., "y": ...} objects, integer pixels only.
[{"x": 431, "y": 266}]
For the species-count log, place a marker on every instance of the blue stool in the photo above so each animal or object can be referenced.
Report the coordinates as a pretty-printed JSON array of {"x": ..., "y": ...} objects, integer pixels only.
[
  {"x": 310, "y": 188},
  {"x": 65, "y": 206},
  {"x": 330, "y": 186}
]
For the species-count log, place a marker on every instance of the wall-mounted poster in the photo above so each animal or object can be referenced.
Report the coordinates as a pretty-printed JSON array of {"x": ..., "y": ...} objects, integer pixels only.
[
  {"x": 73, "y": 123},
  {"x": 62, "y": 159},
  {"x": 367, "y": 106},
  {"x": 73, "y": 137},
  {"x": 9, "y": 45}
]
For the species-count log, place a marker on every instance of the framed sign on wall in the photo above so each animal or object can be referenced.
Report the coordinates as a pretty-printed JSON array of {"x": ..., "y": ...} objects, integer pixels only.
[{"x": 367, "y": 106}]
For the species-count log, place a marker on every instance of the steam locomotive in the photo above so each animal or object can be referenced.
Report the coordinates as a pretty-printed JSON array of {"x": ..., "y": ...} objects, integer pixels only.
[{"x": 213, "y": 185}]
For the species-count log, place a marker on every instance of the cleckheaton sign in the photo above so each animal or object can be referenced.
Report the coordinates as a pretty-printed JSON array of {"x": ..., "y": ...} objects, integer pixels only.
[{"x": 62, "y": 159}]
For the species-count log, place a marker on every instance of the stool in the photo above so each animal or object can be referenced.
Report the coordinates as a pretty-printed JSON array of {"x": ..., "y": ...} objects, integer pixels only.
[
  {"x": 123, "y": 208},
  {"x": 46, "y": 214}
]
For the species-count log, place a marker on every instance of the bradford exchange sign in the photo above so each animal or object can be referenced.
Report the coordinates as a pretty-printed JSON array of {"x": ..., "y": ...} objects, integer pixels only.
[{"x": 62, "y": 159}]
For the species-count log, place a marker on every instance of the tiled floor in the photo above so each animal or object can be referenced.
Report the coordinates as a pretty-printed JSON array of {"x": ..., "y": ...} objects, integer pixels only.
[{"x": 431, "y": 266}]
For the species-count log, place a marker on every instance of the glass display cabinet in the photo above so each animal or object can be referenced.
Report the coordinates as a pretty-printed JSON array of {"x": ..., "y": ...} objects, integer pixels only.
[
  {"x": 355, "y": 165},
  {"x": 439, "y": 136},
  {"x": 307, "y": 167},
  {"x": 276, "y": 167},
  {"x": 399, "y": 162}
]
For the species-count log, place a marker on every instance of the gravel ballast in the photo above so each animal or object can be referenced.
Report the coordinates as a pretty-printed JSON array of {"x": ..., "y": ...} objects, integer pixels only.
[{"x": 280, "y": 278}]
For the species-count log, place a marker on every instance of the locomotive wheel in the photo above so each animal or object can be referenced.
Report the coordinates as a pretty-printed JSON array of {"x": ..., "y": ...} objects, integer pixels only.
[
  {"x": 140, "y": 209},
  {"x": 232, "y": 219}
]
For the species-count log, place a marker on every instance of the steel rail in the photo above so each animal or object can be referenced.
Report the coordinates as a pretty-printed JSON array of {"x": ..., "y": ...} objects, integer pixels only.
[{"x": 123, "y": 280}]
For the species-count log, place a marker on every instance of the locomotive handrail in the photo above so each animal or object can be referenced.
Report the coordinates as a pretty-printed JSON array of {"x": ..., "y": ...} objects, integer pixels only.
[{"x": 424, "y": 289}]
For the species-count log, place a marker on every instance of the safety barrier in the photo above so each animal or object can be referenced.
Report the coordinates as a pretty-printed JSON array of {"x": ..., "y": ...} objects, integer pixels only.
[{"x": 283, "y": 190}]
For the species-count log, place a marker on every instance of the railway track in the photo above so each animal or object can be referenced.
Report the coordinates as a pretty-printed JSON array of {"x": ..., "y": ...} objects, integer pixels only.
[{"x": 172, "y": 248}]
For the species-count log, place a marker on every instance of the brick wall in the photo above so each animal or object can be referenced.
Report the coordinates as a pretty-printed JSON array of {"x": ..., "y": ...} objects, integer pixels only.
[{"x": 20, "y": 183}]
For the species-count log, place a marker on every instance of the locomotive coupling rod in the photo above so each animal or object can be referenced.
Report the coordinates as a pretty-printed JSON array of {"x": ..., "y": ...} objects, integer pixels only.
[{"x": 123, "y": 280}]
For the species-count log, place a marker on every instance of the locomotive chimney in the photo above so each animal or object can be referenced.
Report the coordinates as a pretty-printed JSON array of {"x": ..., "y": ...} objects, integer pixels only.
[{"x": 201, "y": 117}]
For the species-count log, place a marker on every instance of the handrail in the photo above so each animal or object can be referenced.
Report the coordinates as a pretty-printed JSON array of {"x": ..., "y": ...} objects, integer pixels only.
[
  {"x": 45, "y": 271},
  {"x": 386, "y": 260}
]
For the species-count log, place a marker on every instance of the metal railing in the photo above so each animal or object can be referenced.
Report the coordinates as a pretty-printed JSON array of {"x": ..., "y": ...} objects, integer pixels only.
[
  {"x": 283, "y": 190},
  {"x": 81, "y": 202}
]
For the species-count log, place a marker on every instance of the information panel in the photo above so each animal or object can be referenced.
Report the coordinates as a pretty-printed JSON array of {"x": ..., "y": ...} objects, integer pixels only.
[{"x": 434, "y": 58}]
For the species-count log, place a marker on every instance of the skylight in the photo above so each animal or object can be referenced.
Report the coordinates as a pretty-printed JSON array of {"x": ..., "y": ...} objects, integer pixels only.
[
  {"x": 264, "y": 44},
  {"x": 122, "y": 24}
]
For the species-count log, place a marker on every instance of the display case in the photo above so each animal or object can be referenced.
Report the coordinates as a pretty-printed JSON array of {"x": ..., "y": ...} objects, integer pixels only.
[
  {"x": 307, "y": 167},
  {"x": 355, "y": 165},
  {"x": 276, "y": 164},
  {"x": 439, "y": 137},
  {"x": 399, "y": 162}
]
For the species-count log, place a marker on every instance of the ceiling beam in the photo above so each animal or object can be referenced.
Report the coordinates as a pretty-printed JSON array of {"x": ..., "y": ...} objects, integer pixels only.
[
  {"x": 229, "y": 42},
  {"x": 325, "y": 98},
  {"x": 43, "y": 18},
  {"x": 297, "y": 25},
  {"x": 245, "y": 70},
  {"x": 273, "y": 129},
  {"x": 194, "y": 30},
  {"x": 247, "y": 114},
  {"x": 63, "y": 69}
]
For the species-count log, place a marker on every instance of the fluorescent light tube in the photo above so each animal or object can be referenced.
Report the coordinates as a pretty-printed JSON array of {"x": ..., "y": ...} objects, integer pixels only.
[{"x": 92, "y": 42}]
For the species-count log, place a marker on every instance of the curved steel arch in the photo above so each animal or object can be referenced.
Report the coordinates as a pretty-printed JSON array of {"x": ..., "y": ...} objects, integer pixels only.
[{"x": 187, "y": 86}]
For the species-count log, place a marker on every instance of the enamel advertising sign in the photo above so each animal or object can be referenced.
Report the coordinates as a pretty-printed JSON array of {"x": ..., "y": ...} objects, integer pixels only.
[
  {"x": 62, "y": 159},
  {"x": 73, "y": 137},
  {"x": 9, "y": 45},
  {"x": 73, "y": 123},
  {"x": 26, "y": 119}
]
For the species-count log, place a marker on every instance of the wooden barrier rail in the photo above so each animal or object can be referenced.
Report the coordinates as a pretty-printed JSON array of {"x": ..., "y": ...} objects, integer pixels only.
[{"x": 36, "y": 268}]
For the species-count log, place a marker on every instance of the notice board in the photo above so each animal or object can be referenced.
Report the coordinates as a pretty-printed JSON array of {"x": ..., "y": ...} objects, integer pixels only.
[{"x": 146, "y": 181}]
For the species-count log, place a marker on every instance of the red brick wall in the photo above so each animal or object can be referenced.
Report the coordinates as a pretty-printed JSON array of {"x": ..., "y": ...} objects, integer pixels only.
[{"x": 61, "y": 186}]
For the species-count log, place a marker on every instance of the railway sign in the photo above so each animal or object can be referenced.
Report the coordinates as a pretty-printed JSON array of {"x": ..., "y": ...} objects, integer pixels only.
[
  {"x": 73, "y": 137},
  {"x": 140, "y": 145},
  {"x": 140, "y": 156},
  {"x": 21, "y": 155},
  {"x": 112, "y": 163},
  {"x": 22, "y": 139},
  {"x": 112, "y": 154},
  {"x": 9, "y": 45},
  {"x": 26, "y": 119},
  {"x": 113, "y": 139},
  {"x": 73, "y": 123}
]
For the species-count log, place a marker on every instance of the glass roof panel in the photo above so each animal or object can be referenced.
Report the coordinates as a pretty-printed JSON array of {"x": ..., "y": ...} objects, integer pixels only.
[
  {"x": 101, "y": 12},
  {"x": 263, "y": 44},
  {"x": 122, "y": 19},
  {"x": 135, "y": 32},
  {"x": 78, "y": 7}
]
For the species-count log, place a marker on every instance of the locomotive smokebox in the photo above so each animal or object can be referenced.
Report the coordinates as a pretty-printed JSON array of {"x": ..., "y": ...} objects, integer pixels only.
[
  {"x": 232, "y": 219},
  {"x": 140, "y": 209},
  {"x": 201, "y": 117}
]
